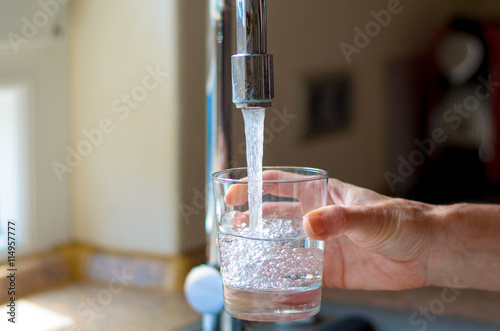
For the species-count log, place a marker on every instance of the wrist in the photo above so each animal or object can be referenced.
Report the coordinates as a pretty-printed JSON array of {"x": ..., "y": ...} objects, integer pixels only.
[
  {"x": 439, "y": 250},
  {"x": 466, "y": 247}
]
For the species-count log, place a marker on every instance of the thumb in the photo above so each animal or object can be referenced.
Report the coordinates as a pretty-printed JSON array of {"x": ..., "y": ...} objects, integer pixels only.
[{"x": 357, "y": 222}]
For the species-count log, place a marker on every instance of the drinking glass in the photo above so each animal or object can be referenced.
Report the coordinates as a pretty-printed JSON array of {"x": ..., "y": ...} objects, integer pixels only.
[{"x": 270, "y": 269}]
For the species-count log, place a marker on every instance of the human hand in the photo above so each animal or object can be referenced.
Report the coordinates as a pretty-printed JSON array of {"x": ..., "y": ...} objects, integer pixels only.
[
  {"x": 375, "y": 242},
  {"x": 372, "y": 241}
]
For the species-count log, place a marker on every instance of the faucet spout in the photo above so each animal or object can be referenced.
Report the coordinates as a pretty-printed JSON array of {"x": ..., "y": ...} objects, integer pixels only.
[{"x": 252, "y": 67}]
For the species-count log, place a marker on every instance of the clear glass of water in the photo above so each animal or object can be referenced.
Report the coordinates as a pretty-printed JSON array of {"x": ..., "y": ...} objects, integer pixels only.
[{"x": 271, "y": 270}]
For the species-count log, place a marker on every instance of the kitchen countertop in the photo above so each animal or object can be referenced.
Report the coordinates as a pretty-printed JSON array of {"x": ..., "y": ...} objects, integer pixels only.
[
  {"x": 91, "y": 307},
  {"x": 95, "y": 307}
]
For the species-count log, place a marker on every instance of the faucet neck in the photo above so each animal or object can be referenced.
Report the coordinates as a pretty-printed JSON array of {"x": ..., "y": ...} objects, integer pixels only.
[{"x": 251, "y": 23}]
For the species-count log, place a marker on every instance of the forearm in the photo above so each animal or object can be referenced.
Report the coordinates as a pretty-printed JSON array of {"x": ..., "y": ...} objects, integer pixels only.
[{"x": 466, "y": 247}]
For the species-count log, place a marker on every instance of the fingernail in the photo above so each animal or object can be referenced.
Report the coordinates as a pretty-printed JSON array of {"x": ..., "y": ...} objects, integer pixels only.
[{"x": 317, "y": 224}]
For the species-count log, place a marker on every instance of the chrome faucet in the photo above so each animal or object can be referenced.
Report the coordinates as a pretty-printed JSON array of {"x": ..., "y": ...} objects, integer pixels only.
[
  {"x": 253, "y": 77},
  {"x": 252, "y": 86}
]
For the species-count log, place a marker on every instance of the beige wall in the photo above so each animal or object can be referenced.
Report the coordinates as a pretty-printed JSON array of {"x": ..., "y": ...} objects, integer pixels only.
[{"x": 125, "y": 193}]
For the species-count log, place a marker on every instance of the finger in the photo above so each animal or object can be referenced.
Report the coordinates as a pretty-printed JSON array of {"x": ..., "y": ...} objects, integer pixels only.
[
  {"x": 271, "y": 209},
  {"x": 275, "y": 182},
  {"x": 282, "y": 189},
  {"x": 278, "y": 175},
  {"x": 237, "y": 194},
  {"x": 281, "y": 209},
  {"x": 362, "y": 223},
  {"x": 241, "y": 219}
]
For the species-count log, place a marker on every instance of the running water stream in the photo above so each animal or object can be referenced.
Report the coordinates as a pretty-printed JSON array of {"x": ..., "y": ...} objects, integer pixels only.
[{"x": 254, "y": 133}]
